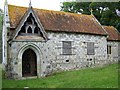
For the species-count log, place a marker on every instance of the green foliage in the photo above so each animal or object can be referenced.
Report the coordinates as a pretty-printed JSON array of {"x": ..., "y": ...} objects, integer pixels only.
[
  {"x": 1, "y": 19},
  {"x": 3, "y": 74},
  {"x": 76, "y": 7},
  {"x": 105, "y": 12},
  {"x": 102, "y": 77}
]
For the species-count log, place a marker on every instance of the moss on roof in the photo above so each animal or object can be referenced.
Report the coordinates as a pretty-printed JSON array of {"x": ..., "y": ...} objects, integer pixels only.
[
  {"x": 113, "y": 34},
  {"x": 58, "y": 21}
]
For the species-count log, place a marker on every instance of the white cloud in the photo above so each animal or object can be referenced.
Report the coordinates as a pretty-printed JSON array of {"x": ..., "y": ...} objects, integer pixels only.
[{"x": 118, "y": 12}]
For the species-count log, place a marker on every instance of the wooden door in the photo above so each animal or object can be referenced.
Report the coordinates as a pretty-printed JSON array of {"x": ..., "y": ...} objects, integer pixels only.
[{"x": 29, "y": 63}]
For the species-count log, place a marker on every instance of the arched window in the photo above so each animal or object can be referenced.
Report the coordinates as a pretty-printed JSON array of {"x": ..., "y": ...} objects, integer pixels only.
[
  {"x": 30, "y": 27},
  {"x": 22, "y": 29},
  {"x": 41, "y": 34},
  {"x": 36, "y": 30},
  {"x": 29, "y": 20},
  {"x": 29, "y": 30}
]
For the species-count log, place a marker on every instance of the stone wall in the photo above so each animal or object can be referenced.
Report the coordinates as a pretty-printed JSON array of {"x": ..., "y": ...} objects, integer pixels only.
[
  {"x": 114, "y": 56},
  {"x": 50, "y": 54},
  {"x": 79, "y": 57},
  {"x": 16, "y": 60}
]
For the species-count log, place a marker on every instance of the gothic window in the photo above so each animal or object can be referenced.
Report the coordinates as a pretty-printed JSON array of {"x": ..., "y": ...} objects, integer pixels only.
[
  {"x": 29, "y": 30},
  {"x": 23, "y": 29},
  {"x": 90, "y": 48},
  {"x": 30, "y": 26},
  {"x": 67, "y": 49},
  {"x": 30, "y": 19},
  {"x": 41, "y": 34},
  {"x": 108, "y": 49},
  {"x": 36, "y": 30}
]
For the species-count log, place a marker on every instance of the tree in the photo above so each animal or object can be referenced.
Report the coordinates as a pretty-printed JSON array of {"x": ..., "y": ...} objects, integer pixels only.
[
  {"x": 76, "y": 7},
  {"x": 1, "y": 12},
  {"x": 1, "y": 19},
  {"x": 107, "y": 13}
]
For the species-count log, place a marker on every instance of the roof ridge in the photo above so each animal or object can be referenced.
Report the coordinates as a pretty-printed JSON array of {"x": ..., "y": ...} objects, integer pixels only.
[
  {"x": 108, "y": 26},
  {"x": 62, "y": 12},
  {"x": 99, "y": 24},
  {"x": 112, "y": 29}
]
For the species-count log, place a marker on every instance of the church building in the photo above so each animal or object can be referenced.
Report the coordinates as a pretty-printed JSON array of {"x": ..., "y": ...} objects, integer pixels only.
[{"x": 38, "y": 42}]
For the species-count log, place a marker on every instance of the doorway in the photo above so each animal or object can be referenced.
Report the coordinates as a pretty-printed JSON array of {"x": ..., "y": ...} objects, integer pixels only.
[{"x": 29, "y": 63}]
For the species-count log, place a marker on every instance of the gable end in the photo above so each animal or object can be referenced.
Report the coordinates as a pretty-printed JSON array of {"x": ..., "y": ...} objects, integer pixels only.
[{"x": 29, "y": 21}]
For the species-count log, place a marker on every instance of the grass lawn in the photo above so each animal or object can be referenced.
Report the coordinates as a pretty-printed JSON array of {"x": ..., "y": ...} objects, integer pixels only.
[
  {"x": 0, "y": 76},
  {"x": 105, "y": 77}
]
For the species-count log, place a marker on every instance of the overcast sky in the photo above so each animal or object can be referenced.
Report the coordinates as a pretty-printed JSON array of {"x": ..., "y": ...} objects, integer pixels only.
[{"x": 42, "y": 4}]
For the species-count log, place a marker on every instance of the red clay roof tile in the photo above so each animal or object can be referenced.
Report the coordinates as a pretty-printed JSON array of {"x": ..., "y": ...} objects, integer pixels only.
[
  {"x": 113, "y": 34},
  {"x": 58, "y": 21}
]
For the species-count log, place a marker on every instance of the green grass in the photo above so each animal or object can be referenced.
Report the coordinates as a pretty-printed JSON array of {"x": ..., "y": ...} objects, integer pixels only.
[
  {"x": 0, "y": 76},
  {"x": 105, "y": 77}
]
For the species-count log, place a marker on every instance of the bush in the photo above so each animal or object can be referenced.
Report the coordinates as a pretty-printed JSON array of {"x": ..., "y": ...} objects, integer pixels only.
[{"x": 3, "y": 74}]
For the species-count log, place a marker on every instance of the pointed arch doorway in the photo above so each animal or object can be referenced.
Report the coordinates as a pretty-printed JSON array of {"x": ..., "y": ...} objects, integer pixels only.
[{"x": 29, "y": 63}]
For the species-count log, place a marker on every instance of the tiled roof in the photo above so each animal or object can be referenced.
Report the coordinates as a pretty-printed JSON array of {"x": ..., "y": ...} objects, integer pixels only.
[
  {"x": 58, "y": 21},
  {"x": 113, "y": 34}
]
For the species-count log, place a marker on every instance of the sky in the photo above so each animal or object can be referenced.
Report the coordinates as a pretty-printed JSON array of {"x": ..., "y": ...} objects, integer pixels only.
[{"x": 42, "y": 4}]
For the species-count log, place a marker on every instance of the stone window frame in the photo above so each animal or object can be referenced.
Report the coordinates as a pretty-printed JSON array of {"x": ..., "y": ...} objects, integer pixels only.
[
  {"x": 109, "y": 49},
  {"x": 66, "y": 47},
  {"x": 90, "y": 48}
]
